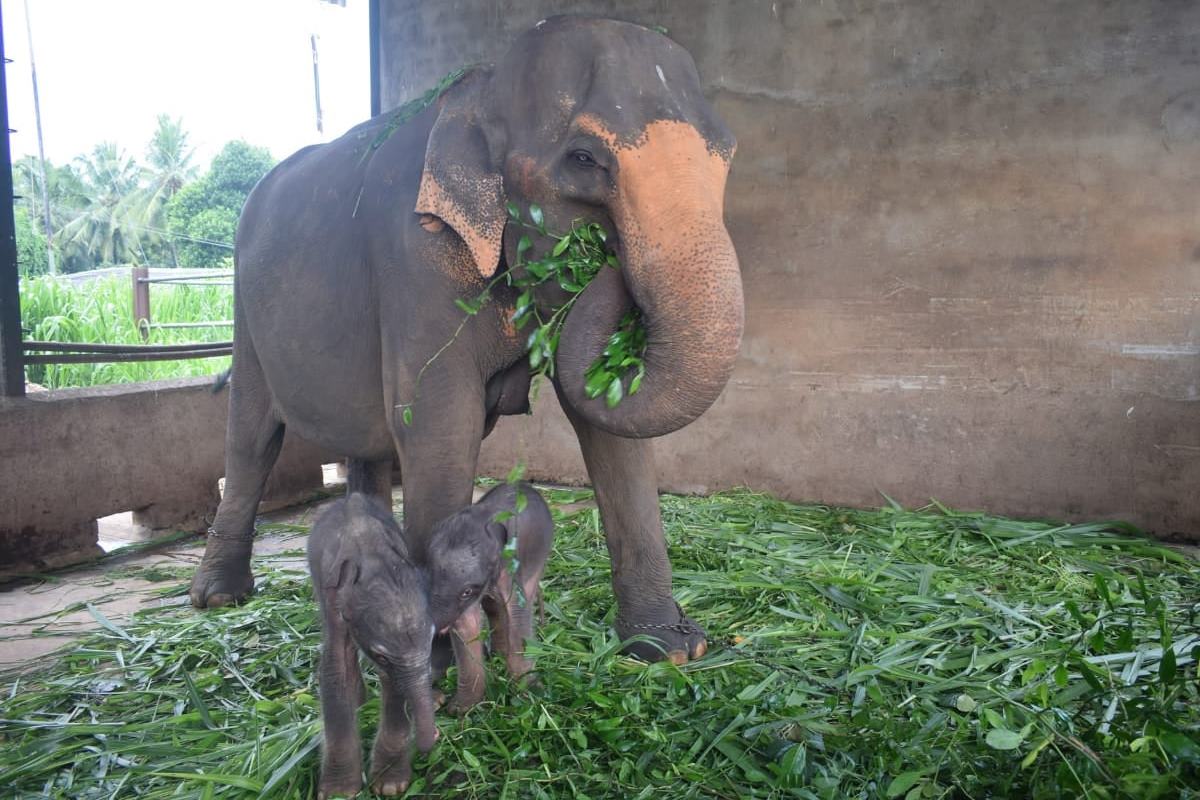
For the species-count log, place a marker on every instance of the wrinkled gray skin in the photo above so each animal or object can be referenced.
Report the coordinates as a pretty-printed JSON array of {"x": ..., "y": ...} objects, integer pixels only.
[
  {"x": 372, "y": 598},
  {"x": 349, "y": 260},
  {"x": 467, "y": 571}
]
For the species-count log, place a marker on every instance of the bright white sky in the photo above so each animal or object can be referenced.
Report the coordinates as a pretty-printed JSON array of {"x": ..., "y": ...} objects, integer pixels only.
[{"x": 232, "y": 69}]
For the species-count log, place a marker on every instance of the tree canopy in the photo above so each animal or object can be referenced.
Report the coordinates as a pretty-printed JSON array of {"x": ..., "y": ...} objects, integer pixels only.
[{"x": 106, "y": 208}]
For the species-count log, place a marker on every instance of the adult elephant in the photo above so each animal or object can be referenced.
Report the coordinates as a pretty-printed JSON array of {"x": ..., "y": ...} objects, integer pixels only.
[{"x": 350, "y": 256}]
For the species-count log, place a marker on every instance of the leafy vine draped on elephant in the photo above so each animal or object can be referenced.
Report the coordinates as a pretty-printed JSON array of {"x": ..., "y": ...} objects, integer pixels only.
[{"x": 350, "y": 256}]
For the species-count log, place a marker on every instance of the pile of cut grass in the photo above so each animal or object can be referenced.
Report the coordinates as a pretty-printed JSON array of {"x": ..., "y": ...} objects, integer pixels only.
[{"x": 855, "y": 654}]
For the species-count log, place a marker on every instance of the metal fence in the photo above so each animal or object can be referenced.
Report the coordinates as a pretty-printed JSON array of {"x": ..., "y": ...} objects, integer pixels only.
[{"x": 35, "y": 352}]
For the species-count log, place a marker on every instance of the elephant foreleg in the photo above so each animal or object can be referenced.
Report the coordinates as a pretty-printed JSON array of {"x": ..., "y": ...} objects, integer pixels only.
[
  {"x": 623, "y": 475},
  {"x": 341, "y": 690},
  {"x": 468, "y": 655}
]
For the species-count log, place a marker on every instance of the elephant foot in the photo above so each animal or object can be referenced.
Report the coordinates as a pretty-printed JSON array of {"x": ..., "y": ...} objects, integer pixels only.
[
  {"x": 223, "y": 577},
  {"x": 670, "y": 635},
  {"x": 337, "y": 782},
  {"x": 461, "y": 703},
  {"x": 391, "y": 771}
]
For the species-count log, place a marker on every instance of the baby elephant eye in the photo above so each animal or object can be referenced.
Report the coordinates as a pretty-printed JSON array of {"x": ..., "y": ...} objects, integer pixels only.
[
  {"x": 468, "y": 592},
  {"x": 582, "y": 158}
]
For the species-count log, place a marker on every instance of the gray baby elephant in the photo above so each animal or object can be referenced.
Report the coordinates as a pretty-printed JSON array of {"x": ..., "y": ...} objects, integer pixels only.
[
  {"x": 467, "y": 570},
  {"x": 372, "y": 597}
]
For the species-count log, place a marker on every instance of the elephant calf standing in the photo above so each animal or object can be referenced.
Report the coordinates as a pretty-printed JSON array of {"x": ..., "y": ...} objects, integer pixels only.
[
  {"x": 372, "y": 597},
  {"x": 467, "y": 572}
]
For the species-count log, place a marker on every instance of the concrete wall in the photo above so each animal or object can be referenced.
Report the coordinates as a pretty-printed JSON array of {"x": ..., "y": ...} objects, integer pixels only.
[
  {"x": 970, "y": 237},
  {"x": 72, "y": 455}
]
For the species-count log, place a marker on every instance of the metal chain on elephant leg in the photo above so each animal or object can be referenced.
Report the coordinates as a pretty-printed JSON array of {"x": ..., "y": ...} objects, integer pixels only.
[
  {"x": 228, "y": 537},
  {"x": 685, "y": 626}
]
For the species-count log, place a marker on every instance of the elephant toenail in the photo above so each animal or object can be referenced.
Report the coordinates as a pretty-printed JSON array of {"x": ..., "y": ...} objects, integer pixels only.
[
  {"x": 431, "y": 223},
  {"x": 220, "y": 600},
  {"x": 700, "y": 650},
  {"x": 677, "y": 657}
]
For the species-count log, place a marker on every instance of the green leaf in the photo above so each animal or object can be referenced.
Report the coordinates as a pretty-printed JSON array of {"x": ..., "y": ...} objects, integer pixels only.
[
  {"x": 636, "y": 383},
  {"x": 523, "y": 244},
  {"x": 754, "y": 690},
  {"x": 905, "y": 781},
  {"x": 406, "y": 415},
  {"x": 521, "y": 502},
  {"x": 513, "y": 212},
  {"x": 561, "y": 247},
  {"x": 516, "y": 473},
  {"x": 535, "y": 214},
  {"x": 965, "y": 703},
  {"x": 1166, "y": 667},
  {"x": 614, "y": 394},
  {"x": 1003, "y": 739},
  {"x": 465, "y": 306},
  {"x": 597, "y": 382}
]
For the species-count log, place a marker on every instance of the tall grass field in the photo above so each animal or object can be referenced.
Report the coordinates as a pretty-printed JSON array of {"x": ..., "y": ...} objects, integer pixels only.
[
  {"x": 101, "y": 312},
  {"x": 855, "y": 654}
]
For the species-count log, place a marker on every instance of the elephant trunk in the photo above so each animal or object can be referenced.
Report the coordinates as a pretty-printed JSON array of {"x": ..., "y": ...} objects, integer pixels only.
[
  {"x": 681, "y": 271},
  {"x": 416, "y": 686}
]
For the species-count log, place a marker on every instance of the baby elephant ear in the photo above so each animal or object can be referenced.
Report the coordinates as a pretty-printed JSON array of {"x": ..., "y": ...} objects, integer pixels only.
[
  {"x": 460, "y": 184},
  {"x": 498, "y": 531}
]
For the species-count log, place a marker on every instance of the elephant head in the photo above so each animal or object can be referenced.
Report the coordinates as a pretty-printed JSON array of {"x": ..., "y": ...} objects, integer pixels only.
[{"x": 604, "y": 121}]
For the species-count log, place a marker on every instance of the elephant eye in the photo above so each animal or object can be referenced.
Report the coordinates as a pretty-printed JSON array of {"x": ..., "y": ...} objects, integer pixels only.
[
  {"x": 469, "y": 592},
  {"x": 582, "y": 158}
]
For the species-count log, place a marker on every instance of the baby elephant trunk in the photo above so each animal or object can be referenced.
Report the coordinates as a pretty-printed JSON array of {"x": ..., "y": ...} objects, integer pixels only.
[{"x": 416, "y": 684}]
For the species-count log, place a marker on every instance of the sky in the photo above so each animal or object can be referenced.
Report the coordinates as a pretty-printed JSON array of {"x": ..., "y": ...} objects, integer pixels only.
[{"x": 232, "y": 69}]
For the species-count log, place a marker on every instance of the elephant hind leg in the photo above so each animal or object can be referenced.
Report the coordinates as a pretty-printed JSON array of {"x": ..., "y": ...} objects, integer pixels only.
[
  {"x": 372, "y": 478},
  {"x": 252, "y": 443}
]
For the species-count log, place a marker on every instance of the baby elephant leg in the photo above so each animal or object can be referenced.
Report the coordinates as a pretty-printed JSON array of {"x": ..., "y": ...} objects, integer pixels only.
[
  {"x": 341, "y": 690},
  {"x": 468, "y": 655},
  {"x": 510, "y": 613},
  {"x": 391, "y": 758}
]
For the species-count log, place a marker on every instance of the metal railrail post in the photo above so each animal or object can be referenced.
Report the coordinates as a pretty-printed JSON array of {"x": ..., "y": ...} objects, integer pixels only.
[
  {"x": 141, "y": 300},
  {"x": 12, "y": 364}
]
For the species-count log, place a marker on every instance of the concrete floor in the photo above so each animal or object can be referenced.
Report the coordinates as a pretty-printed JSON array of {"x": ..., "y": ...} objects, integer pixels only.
[{"x": 37, "y": 617}]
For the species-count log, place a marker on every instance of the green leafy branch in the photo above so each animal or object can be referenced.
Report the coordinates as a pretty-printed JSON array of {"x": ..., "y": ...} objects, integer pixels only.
[{"x": 572, "y": 263}]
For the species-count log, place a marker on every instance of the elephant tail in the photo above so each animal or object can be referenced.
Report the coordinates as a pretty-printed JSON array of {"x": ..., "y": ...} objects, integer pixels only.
[{"x": 222, "y": 380}]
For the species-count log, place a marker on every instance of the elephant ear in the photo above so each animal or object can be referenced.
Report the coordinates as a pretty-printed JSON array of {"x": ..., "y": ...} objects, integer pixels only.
[{"x": 460, "y": 183}]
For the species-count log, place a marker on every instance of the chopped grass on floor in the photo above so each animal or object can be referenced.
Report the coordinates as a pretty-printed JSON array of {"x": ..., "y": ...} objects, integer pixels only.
[{"x": 890, "y": 654}]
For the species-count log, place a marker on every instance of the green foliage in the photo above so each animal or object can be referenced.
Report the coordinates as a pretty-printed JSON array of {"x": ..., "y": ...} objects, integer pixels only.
[
  {"x": 53, "y": 309},
  {"x": 204, "y": 214},
  {"x": 622, "y": 354},
  {"x": 31, "y": 245},
  {"x": 572, "y": 263},
  {"x": 104, "y": 232},
  {"x": 855, "y": 654},
  {"x": 106, "y": 209},
  {"x": 413, "y": 107}
]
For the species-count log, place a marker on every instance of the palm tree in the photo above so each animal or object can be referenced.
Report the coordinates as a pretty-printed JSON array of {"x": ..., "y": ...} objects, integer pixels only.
[
  {"x": 169, "y": 169},
  {"x": 102, "y": 231}
]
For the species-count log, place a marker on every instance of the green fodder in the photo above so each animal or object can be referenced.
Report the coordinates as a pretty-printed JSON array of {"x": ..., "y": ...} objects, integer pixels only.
[
  {"x": 864, "y": 654},
  {"x": 101, "y": 312}
]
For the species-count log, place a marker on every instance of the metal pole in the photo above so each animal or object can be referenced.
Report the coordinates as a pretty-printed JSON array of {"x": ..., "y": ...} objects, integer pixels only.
[
  {"x": 12, "y": 364},
  {"x": 373, "y": 32},
  {"x": 316, "y": 83},
  {"x": 37, "y": 115}
]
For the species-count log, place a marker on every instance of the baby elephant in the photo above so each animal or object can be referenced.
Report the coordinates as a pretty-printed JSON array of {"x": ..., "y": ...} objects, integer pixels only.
[
  {"x": 468, "y": 568},
  {"x": 372, "y": 597}
]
